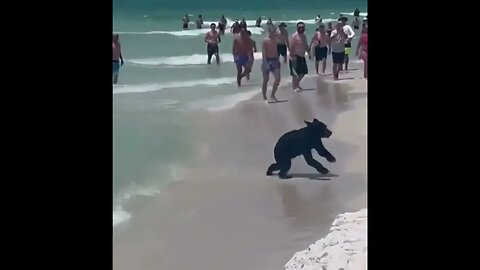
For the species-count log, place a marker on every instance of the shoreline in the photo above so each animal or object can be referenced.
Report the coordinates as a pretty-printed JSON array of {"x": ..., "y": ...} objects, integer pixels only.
[{"x": 225, "y": 203}]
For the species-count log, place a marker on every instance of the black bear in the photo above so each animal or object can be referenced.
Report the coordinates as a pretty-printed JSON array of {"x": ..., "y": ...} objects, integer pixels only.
[{"x": 301, "y": 142}]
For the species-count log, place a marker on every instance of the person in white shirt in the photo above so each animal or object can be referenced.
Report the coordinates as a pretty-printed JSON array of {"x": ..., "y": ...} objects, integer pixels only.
[
  {"x": 337, "y": 45},
  {"x": 347, "y": 29}
]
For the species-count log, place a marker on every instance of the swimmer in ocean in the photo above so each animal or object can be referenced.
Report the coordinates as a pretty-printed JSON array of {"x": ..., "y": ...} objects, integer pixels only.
[
  {"x": 241, "y": 51},
  {"x": 270, "y": 64}
]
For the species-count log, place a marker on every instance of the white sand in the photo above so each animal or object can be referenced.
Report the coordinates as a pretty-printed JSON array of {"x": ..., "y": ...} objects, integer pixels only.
[{"x": 344, "y": 248}]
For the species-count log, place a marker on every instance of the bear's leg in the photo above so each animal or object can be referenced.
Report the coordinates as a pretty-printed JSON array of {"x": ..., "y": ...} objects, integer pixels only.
[
  {"x": 313, "y": 163},
  {"x": 272, "y": 168},
  {"x": 284, "y": 165}
]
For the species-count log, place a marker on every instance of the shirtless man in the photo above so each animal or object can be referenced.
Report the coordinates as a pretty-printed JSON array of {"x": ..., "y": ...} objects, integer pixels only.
[
  {"x": 221, "y": 25},
  {"x": 241, "y": 50},
  {"x": 320, "y": 44},
  {"x": 117, "y": 54},
  {"x": 356, "y": 23},
  {"x": 337, "y": 45},
  {"x": 298, "y": 46},
  {"x": 186, "y": 20},
  {"x": 270, "y": 63},
  {"x": 281, "y": 35},
  {"x": 212, "y": 38},
  {"x": 251, "y": 58}
]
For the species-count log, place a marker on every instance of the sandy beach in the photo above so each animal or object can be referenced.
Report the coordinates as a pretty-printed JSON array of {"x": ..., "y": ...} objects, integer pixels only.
[{"x": 226, "y": 213}]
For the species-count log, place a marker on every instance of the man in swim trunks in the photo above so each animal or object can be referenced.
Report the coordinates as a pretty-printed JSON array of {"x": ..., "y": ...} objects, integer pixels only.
[
  {"x": 212, "y": 38},
  {"x": 356, "y": 23},
  {"x": 116, "y": 55},
  {"x": 251, "y": 58},
  {"x": 241, "y": 50},
  {"x": 281, "y": 35},
  {"x": 298, "y": 46},
  {"x": 221, "y": 25},
  {"x": 199, "y": 22},
  {"x": 347, "y": 29},
  {"x": 186, "y": 20},
  {"x": 320, "y": 45},
  {"x": 270, "y": 63},
  {"x": 337, "y": 45}
]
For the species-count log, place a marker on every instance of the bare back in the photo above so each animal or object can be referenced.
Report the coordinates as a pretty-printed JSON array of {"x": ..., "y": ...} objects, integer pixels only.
[
  {"x": 281, "y": 36},
  {"x": 322, "y": 39},
  {"x": 242, "y": 46},
  {"x": 269, "y": 48},
  {"x": 116, "y": 51}
]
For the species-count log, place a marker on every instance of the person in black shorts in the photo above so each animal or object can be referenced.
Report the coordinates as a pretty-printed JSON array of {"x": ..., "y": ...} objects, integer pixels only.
[
  {"x": 298, "y": 46},
  {"x": 212, "y": 38},
  {"x": 282, "y": 39}
]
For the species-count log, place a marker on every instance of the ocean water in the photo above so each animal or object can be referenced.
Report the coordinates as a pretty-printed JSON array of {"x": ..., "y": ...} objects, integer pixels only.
[{"x": 165, "y": 77}]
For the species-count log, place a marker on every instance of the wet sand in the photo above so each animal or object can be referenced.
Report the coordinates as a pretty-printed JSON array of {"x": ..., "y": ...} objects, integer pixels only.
[{"x": 227, "y": 214}]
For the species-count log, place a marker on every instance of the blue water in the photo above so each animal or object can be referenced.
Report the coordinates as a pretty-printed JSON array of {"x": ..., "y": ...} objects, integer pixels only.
[{"x": 165, "y": 78}]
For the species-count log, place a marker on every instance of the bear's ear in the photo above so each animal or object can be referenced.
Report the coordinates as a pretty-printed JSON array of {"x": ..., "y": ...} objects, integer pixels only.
[
  {"x": 315, "y": 121},
  {"x": 308, "y": 123}
]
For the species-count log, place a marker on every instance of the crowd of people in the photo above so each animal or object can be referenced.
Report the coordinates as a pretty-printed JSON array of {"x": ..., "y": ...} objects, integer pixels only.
[{"x": 330, "y": 39}]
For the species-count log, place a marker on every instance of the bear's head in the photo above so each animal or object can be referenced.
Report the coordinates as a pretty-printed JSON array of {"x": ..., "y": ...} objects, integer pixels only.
[{"x": 318, "y": 129}]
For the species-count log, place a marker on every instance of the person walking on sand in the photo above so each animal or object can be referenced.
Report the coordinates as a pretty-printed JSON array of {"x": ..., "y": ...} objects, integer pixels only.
[
  {"x": 320, "y": 44},
  {"x": 362, "y": 50},
  {"x": 298, "y": 46},
  {"x": 116, "y": 56},
  {"x": 337, "y": 45},
  {"x": 241, "y": 50},
  {"x": 281, "y": 36},
  {"x": 270, "y": 63},
  {"x": 347, "y": 29},
  {"x": 212, "y": 38},
  {"x": 251, "y": 58}
]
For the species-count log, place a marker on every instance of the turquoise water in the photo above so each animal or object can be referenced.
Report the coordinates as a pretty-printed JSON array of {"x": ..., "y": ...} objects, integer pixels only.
[{"x": 165, "y": 77}]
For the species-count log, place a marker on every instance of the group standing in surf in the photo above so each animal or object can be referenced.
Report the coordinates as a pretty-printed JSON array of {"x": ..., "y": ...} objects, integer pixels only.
[{"x": 334, "y": 40}]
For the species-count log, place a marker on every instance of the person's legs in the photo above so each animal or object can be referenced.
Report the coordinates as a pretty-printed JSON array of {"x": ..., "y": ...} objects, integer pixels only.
[
  {"x": 239, "y": 74},
  {"x": 115, "y": 79},
  {"x": 316, "y": 65},
  {"x": 324, "y": 65},
  {"x": 209, "y": 53},
  {"x": 266, "y": 76},
  {"x": 276, "y": 74}
]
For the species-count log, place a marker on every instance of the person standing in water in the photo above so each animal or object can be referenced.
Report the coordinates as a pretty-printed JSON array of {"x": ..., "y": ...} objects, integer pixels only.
[
  {"x": 259, "y": 22},
  {"x": 243, "y": 23},
  {"x": 199, "y": 22},
  {"x": 186, "y": 20},
  {"x": 269, "y": 23},
  {"x": 241, "y": 51},
  {"x": 321, "y": 46},
  {"x": 356, "y": 23},
  {"x": 212, "y": 38},
  {"x": 116, "y": 56},
  {"x": 251, "y": 58},
  {"x": 298, "y": 46},
  {"x": 281, "y": 35},
  {"x": 235, "y": 29},
  {"x": 347, "y": 29},
  {"x": 221, "y": 25},
  {"x": 356, "y": 13},
  {"x": 362, "y": 50},
  {"x": 270, "y": 64},
  {"x": 329, "y": 28},
  {"x": 337, "y": 45}
]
